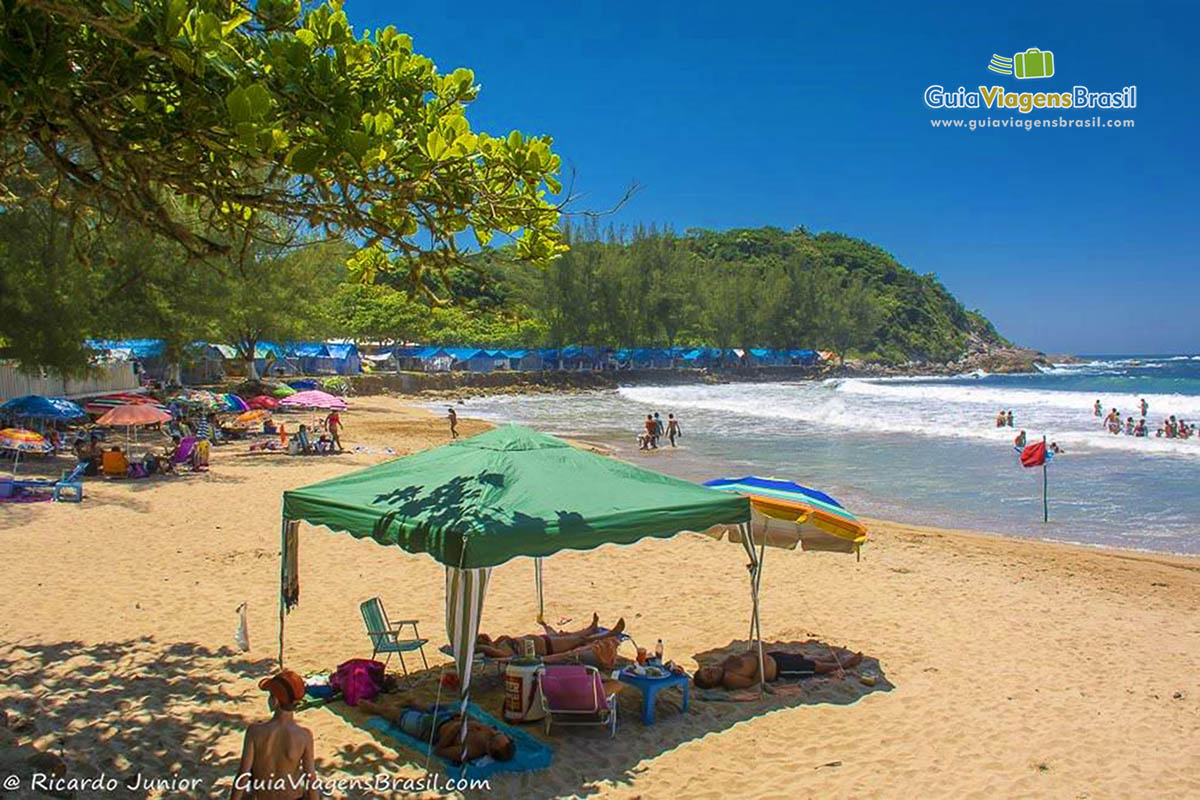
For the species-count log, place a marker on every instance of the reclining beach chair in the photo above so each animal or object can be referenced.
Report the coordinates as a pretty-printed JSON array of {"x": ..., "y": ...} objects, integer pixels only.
[
  {"x": 573, "y": 694},
  {"x": 385, "y": 637}
]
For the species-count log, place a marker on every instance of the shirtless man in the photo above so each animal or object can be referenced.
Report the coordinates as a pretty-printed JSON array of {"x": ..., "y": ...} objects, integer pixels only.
[
  {"x": 277, "y": 755},
  {"x": 444, "y": 730},
  {"x": 550, "y": 643},
  {"x": 740, "y": 671},
  {"x": 453, "y": 417}
]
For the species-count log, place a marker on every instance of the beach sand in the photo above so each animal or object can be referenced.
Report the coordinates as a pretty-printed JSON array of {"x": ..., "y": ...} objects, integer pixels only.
[{"x": 1008, "y": 668}]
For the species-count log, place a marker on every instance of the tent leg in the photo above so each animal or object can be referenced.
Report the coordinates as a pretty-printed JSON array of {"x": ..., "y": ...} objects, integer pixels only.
[{"x": 537, "y": 575}]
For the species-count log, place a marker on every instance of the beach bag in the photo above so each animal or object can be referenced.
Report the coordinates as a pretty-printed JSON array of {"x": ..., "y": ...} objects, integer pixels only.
[{"x": 358, "y": 679}]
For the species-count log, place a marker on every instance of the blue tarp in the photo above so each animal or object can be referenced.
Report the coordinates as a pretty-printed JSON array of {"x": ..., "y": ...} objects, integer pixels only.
[{"x": 139, "y": 348}]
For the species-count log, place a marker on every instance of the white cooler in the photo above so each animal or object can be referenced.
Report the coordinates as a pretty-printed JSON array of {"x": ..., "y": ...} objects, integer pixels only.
[{"x": 522, "y": 701}]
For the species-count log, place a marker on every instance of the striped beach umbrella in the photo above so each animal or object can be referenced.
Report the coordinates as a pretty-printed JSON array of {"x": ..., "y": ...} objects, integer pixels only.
[
  {"x": 786, "y": 500},
  {"x": 20, "y": 440},
  {"x": 99, "y": 405},
  {"x": 235, "y": 403}
]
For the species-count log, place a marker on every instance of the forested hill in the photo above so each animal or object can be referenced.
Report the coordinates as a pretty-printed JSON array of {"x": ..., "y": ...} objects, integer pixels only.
[{"x": 761, "y": 287}]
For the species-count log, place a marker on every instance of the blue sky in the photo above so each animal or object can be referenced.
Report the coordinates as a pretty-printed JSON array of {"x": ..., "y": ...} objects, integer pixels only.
[{"x": 757, "y": 113}]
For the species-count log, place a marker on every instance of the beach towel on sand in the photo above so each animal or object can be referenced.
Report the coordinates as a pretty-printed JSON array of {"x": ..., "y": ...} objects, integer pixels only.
[{"x": 531, "y": 754}]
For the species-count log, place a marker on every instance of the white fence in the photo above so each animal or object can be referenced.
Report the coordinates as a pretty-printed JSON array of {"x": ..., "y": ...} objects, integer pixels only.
[{"x": 115, "y": 377}]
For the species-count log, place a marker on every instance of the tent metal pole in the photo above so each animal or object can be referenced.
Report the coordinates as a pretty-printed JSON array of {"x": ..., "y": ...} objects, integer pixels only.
[
  {"x": 283, "y": 529},
  {"x": 537, "y": 573}
]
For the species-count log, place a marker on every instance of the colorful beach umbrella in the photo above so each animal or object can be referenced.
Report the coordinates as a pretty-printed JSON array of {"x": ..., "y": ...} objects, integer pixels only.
[
  {"x": 252, "y": 416},
  {"x": 19, "y": 440},
  {"x": 235, "y": 403},
  {"x": 133, "y": 415},
  {"x": 263, "y": 401},
  {"x": 35, "y": 406},
  {"x": 788, "y": 501},
  {"x": 314, "y": 398},
  {"x": 99, "y": 405},
  {"x": 283, "y": 391},
  {"x": 23, "y": 441}
]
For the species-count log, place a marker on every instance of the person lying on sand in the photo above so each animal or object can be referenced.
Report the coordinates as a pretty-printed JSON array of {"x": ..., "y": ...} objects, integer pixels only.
[
  {"x": 740, "y": 671},
  {"x": 550, "y": 643},
  {"x": 444, "y": 729},
  {"x": 277, "y": 755}
]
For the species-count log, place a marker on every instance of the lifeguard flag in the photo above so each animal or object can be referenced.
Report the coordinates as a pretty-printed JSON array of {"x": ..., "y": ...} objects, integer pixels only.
[{"x": 1034, "y": 455}]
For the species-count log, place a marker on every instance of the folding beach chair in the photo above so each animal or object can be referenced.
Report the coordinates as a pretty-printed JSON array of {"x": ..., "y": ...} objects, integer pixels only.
[
  {"x": 573, "y": 694},
  {"x": 72, "y": 481},
  {"x": 385, "y": 637}
]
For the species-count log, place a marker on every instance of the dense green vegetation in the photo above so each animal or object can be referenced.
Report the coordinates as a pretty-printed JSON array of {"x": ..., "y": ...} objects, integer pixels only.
[
  {"x": 239, "y": 172},
  {"x": 760, "y": 287}
]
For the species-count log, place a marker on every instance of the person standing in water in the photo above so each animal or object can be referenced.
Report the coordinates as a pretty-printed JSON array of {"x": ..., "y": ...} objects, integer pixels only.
[
  {"x": 651, "y": 432},
  {"x": 1098, "y": 409},
  {"x": 1019, "y": 442},
  {"x": 1009, "y": 418},
  {"x": 1145, "y": 406},
  {"x": 673, "y": 429},
  {"x": 453, "y": 417}
]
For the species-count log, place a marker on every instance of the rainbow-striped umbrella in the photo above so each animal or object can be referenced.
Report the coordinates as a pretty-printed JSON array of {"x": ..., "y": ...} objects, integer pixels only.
[
  {"x": 786, "y": 501},
  {"x": 20, "y": 440}
]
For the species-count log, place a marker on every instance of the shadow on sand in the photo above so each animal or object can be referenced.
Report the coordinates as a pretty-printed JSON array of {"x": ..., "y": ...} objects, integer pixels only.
[
  {"x": 124, "y": 708},
  {"x": 586, "y": 761}
]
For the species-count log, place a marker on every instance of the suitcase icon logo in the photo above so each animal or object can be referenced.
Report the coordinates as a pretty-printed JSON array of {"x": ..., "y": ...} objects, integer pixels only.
[{"x": 1033, "y": 63}]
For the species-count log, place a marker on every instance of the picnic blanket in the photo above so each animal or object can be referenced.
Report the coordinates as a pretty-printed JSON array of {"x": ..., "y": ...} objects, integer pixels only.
[{"x": 531, "y": 754}]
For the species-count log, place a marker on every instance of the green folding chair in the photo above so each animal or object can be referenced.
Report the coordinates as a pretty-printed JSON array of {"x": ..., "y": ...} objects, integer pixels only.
[{"x": 385, "y": 637}]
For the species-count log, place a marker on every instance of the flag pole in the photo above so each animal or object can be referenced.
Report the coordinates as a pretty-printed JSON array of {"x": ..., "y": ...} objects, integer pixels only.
[{"x": 1045, "y": 502}]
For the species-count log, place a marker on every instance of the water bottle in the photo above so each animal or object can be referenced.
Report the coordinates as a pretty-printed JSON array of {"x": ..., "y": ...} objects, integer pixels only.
[{"x": 658, "y": 651}]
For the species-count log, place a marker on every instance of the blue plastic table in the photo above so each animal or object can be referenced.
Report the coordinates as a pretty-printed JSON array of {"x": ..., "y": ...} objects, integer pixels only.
[{"x": 650, "y": 687}]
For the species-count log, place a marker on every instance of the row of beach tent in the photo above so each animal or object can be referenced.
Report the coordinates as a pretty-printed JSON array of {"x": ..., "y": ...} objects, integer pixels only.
[{"x": 204, "y": 361}]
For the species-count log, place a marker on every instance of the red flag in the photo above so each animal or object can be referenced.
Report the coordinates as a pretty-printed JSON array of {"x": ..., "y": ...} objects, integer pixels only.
[{"x": 1034, "y": 455}]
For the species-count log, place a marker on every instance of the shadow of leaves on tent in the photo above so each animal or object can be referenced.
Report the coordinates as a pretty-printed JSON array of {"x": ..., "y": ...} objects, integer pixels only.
[
  {"x": 586, "y": 762},
  {"x": 128, "y": 707}
]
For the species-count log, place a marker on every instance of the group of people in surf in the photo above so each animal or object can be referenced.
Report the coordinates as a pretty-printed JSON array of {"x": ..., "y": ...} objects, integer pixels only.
[
  {"x": 1171, "y": 428},
  {"x": 655, "y": 429},
  {"x": 1004, "y": 418}
]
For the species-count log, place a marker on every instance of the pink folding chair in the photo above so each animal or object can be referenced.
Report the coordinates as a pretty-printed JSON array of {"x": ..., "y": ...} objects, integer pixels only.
[{"x": 573, "y": 694}]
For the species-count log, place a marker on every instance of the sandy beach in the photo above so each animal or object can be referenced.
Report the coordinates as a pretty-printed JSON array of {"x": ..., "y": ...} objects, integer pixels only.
[{"x": 1008, "y": 668}]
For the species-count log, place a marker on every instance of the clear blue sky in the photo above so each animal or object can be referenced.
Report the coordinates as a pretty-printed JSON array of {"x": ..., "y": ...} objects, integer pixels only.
[{"x": 756, "y": 113}]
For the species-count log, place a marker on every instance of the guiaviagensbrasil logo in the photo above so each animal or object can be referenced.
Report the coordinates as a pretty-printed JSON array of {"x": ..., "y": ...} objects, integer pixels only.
[
  {"x": 1030, "y": 63},
  {"x": 1033, "y": 63}
]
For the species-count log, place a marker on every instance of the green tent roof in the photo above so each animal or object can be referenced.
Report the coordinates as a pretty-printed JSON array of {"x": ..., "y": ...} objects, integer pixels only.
[{"x": 505, "y": 493}]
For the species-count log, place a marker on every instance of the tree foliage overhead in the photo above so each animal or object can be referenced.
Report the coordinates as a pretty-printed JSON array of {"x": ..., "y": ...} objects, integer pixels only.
[{"x": 159, "y": 111}]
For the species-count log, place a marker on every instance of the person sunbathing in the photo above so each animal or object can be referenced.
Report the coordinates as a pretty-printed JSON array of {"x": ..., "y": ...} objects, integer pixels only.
[
  {"x": 444, "y": 729},
  {"x": 740, "y": 670},
  {"x": 550, "y": 643}
]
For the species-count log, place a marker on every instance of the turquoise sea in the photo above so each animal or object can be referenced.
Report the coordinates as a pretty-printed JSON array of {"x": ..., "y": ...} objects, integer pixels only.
[{"x": 926, "y": 450}]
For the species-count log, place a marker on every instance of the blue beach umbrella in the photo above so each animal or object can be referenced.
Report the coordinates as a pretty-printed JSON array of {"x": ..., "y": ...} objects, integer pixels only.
[{"x": 35, "y": 406}]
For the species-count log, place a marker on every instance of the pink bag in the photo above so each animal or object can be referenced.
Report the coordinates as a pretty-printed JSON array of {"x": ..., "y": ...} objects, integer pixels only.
[{"x": 358, "y": 679}]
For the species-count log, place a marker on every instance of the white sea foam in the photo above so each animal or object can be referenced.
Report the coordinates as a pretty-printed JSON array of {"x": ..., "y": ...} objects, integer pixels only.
[{"x": 925, "y": 408}]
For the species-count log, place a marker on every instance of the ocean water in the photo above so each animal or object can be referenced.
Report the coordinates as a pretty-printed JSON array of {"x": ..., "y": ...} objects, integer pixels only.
[{"x": 926, "y": 450}]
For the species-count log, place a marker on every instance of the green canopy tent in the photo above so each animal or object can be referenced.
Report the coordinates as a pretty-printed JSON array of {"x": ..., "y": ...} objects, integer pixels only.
[{"x": 479, "y": 502}]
